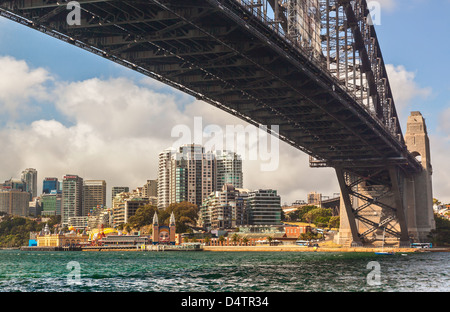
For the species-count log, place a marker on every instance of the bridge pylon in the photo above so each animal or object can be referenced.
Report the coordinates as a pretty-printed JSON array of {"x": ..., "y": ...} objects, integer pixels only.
[{"x": 380, "y": 197}]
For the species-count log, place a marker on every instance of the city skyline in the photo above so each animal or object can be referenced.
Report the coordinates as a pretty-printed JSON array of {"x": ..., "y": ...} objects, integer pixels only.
[{"x": 105, "y": 119}]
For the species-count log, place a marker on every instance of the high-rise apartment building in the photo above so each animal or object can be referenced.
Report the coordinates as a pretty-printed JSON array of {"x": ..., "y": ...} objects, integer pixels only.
[
  {"x": 228, "y": 169},
  {"x": 94, "y": 195},
  {"x": 14, "y": 202},
  {"x": 72, "y": 197},
  {"x": 29, "y": 175},
  {"x": 164, "y": 168},
  {"x": 191, "y": 174}
]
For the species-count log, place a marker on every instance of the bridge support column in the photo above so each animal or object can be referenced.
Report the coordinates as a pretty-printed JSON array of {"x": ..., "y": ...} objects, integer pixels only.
[
  {"x": 419, "y": 213},
  {"x": 348, "y": 232}
]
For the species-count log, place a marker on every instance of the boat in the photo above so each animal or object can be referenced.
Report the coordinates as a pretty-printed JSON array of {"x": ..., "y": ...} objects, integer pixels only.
[
  {"x": 382, "y": 252},
  {"x": 385, "y": 253}
]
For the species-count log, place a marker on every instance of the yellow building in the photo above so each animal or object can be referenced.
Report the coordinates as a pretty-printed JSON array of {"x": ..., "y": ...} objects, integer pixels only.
[
  {"x": 61, "y": 240},
  {"x": 46, "y": 239}
]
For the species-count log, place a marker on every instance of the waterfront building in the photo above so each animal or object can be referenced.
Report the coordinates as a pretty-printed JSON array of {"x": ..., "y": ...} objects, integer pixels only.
[
  {"x": 51, "y": 203},
  {"x": 14, "y": 202},
  {"x": 94, "y": 195},
  {"x": 118, "y": 189},
  {"x": 29, "y": 176},
  {"x": 263, "y": 207},
  {"x": 163, "y": 234},
  {"x": 47, "y": 239},
  {"x": 72, "y": 197},
  {"x": 49, "y": 185}
]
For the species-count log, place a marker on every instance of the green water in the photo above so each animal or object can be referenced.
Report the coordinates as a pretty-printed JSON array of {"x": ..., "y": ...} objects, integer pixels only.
[{"x": 222, "y": 271}]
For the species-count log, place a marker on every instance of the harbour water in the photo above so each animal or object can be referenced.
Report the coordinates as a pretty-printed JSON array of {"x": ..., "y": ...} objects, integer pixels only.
[{"x": 33, "y": 271}]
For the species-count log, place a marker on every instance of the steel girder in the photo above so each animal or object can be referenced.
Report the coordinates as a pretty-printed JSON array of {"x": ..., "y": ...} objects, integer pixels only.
[{"x": 374, "y": 197}]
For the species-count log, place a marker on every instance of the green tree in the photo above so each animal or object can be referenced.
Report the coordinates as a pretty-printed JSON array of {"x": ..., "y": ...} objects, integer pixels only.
[
  {"x": 186, "y": 215},
  {"x": 441, "y": 235},
  {"x": 334, "y": 222},
  {"x": 221, "y": 239},
  {"x": 235, "y": 238},
  {"x": 143, "y": 216}
]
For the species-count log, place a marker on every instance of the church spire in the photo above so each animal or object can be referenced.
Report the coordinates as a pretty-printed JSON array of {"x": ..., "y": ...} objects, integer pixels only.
[
  {"x": 155, "y": 219},
  {"x": 172, "y": 219}
]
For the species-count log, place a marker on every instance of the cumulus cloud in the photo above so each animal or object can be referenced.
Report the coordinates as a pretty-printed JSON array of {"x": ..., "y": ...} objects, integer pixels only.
[
  {"x": 118, "y": 126},
  {"x": 404, "y": 88},
  {"x": 116, "y": 129},
  {"x": 19, "y": 84}
]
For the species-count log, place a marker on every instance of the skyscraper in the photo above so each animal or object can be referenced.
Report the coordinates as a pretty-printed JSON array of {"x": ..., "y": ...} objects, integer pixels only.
[
  {"x": 94, "y": 195},
  {"x": 164, "y": 168},
  {"x": 72, "y": 197},
  {"x": 29, "y": 176},
  {"x": 228, "y": 169},
  {"x": 14, "y": 202},
  {"x": 50, "y": 184},
  {"x": 191, "y": 174}
]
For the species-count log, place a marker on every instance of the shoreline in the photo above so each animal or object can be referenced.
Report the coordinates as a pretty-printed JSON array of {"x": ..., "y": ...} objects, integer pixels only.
[
  {"x": 293, "y": 248},
  {"x": 283, "y": 248}
]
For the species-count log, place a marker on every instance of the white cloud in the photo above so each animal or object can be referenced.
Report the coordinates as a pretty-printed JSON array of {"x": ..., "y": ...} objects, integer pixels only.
[
  {"x": 404, "y": 88},
  {"x": 19, "y": 84},
  {"x": 118, "y": 127}
]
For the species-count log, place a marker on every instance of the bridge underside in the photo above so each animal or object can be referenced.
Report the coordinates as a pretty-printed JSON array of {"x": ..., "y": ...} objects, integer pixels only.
[{"x": 221, "y": 53}]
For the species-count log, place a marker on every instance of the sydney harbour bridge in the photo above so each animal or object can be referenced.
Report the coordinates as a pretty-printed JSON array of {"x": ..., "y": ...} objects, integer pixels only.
[{"x": 314, "y": 68}]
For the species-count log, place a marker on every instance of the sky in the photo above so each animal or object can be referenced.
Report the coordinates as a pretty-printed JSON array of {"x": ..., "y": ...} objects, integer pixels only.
[{"x": 66, "y": 111}]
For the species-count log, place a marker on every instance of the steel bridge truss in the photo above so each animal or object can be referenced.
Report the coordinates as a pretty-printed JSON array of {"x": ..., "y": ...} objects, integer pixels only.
[{"x": 374, "y": 198}]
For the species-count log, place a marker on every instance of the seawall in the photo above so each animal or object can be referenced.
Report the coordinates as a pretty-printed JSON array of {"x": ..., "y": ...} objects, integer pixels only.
[{"x": 292, "y": 248}]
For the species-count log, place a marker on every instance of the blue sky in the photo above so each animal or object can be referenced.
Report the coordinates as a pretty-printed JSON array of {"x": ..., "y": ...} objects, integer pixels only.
[{"x": 414, "y": 37}]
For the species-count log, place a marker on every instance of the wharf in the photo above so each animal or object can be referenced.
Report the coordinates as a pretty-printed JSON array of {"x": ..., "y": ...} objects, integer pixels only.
[
  {"x": 197, "y": 247},
  {"x": 47, "y": 248},
  {"x": 294, "y": 248}
]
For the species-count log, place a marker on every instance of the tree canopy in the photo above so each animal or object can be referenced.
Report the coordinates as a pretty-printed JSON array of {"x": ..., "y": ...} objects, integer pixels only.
[{"x": 186, "y": 214}]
